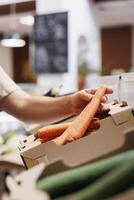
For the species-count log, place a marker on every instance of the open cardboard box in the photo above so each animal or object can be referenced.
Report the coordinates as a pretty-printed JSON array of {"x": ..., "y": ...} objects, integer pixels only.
[{"x": 115, "y": 135}]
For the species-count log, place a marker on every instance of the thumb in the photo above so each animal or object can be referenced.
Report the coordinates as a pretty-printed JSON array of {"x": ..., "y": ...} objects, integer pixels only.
[{"x": 84, "y": 95}]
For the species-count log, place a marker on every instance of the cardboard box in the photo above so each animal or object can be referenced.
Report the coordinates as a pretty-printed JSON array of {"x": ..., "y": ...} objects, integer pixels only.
[{"x": 115, "y": 135}]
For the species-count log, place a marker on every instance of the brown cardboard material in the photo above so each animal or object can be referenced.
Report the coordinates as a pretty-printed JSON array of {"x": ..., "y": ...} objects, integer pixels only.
[{"x": 115, "y": 135}]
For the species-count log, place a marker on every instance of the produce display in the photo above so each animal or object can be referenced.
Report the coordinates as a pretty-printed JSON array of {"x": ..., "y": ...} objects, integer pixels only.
[{"x": 99, "y": 180}]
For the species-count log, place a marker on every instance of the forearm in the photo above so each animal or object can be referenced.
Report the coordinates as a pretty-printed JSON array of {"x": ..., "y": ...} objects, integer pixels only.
[
  {"x": 44, "y": 109},
  {"x": 36, "y": 109}
]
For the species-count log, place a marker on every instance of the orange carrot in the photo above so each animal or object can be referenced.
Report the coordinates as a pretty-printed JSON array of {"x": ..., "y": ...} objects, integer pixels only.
[
  {"x": 50, "y": 132},
  {"x": 79, "y": 126}
]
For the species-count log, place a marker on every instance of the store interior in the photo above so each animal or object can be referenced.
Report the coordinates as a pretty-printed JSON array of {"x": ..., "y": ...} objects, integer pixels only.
[{"x": 55, "y": 48}]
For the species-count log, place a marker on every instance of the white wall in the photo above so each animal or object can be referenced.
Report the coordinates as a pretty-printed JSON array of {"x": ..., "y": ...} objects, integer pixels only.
[
  {"x": 81, "y": 22},
  {"x": 133, "y": 46},
  {"x": 6, "y": 60}
]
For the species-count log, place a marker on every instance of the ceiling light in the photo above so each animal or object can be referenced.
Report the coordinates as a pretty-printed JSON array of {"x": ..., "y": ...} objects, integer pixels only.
[
  {"x": 27, "y": 20},
  {"x": 12, "y": 39}
]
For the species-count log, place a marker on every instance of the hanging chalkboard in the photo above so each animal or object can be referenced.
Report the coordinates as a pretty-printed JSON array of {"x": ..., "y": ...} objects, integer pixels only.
[{"x": 51, "y": 43}]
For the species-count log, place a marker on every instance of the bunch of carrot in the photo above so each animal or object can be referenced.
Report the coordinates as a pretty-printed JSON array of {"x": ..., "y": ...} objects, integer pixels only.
[
  {"x": 84, "y": 122},
  {"x": 50, "y": 132}
]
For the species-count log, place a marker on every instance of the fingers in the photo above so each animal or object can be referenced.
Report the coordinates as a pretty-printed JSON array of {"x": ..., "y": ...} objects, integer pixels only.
[
  {"x": 104, "y": 108},
  {"x": 93, "y": 90},
  {"x": 93, "y": 128},
  {"x": 104, "y": 99},
  {"x": 84, "y": 95},
  {"x": 109, "y": 90},
  {"x": 95, "y": 124}
]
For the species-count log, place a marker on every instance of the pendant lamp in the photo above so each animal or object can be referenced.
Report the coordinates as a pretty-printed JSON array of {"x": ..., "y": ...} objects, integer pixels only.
[{"x": 12, "y": 38}]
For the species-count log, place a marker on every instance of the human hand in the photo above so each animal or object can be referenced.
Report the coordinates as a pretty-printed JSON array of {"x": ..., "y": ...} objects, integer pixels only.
[{"x": 81, "y": 98}]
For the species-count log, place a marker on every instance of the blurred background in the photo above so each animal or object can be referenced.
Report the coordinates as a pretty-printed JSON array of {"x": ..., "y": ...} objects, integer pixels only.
[
  {"x": 58, "y": 47},
  {"x": 66, "y": 42}
]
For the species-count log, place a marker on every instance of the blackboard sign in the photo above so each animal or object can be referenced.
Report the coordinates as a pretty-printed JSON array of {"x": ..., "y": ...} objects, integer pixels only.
[{"x": 51, "y": 43}]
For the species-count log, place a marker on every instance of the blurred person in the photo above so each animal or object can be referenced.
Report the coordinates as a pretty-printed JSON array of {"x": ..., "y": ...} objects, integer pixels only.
[{"x": 39, "y": 109}]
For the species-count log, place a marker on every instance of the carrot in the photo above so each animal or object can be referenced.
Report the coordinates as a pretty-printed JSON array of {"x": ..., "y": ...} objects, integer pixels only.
[
  {"x": 50, "y": 132},
  {"x": 79, "y": 126}
]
